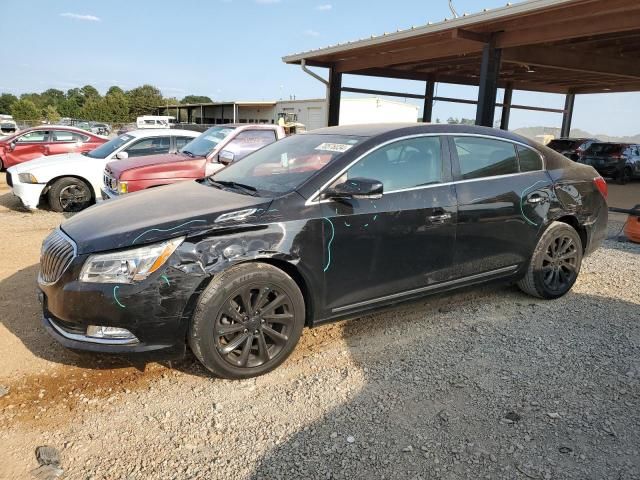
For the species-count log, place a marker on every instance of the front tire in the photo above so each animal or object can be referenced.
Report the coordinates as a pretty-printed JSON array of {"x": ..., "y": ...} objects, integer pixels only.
[
  {"x": 247, "y": 321},
  {"x": 555, "y": 263},
  {"x": 69, "y": 194}
]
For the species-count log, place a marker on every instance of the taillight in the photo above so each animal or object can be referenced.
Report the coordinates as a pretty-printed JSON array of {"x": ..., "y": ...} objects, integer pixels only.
[{"x": 601, "y": 186}]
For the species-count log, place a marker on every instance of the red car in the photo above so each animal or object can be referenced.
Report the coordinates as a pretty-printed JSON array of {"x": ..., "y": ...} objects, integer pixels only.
[
  {"x": 202, "y": 156},
  {"x": 45, "y": 140}
]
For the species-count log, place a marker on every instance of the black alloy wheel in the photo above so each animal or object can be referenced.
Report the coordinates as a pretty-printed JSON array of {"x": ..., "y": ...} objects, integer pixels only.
[
  {"x": 248, "y": 320},
  {"x": 69, "y": 194},
  {"x": 559, "y": 264},
  {"x": 254, "y": 325},
  {"x": 555, "y": 263}
]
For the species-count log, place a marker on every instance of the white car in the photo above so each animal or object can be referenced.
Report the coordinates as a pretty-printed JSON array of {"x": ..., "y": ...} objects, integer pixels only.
[{"x": 71, "y": 182}]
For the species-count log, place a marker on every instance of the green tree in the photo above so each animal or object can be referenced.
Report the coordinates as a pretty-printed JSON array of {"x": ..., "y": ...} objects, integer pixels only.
[
  {"x": 25, "y": 110},
  {"x": 114, "y": 89},
  {"x": 51, "y": 114},
  {"x": 116, "y": 105},
  {"x": 144, "y": 100},
  {"x": 69, "y": 108},
  {"x": 75, "y": 95},
  {"x": 90, "y": 93},
  {"x": 52, "y": 96},
  {"x": 95, "y": 110},
  {"x": 6, "y": 101},
  {"x": 196, "y": 99}
]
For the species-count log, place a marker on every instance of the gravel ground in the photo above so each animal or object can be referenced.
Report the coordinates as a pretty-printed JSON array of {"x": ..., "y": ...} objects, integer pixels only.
[{"x": 484, "y": 383}]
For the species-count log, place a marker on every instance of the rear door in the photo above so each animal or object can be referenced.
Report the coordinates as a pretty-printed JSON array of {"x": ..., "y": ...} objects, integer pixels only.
[
  {"x": 400, "y": 242},
  {"x": 503, "y": 200},
  {"x": 64, "y": 141}
]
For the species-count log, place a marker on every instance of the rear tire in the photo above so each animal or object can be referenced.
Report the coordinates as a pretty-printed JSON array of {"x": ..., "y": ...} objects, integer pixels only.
[
  {"x": 625, "y": 176},
  {"x": 247, "y": 321},
  {"x": 69, "y": 194},
  {"x": 555, "y": 263}
]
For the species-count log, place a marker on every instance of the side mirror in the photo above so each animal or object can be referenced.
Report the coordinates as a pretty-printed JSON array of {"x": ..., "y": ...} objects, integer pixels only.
[
  {"x": 12, "y": 146},
  {"x": 358, "y": 188},
  {"x": 122, "y": 155},
  {"x": 226, "y": 157}
]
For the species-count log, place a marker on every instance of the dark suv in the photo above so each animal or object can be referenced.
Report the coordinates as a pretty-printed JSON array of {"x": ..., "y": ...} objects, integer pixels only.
[
  {"x": 572, "y": 148},
  {"x": 620, "y": 161},
  {"x": 317, "y": 227}
]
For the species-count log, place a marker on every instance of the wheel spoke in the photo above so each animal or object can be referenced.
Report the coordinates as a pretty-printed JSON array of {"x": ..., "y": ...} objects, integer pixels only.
[
  {"x": 262, "y": 293},
  {"x": 567, "y": 256},
  {"x": 224, "y": 330},
  {"x": 235, "y": 343},
  {"x": 275, "y": 303},
  {"x": 246, "y": 350},
  {"x": 547, "y": 268},
  {"x": 277, "y": 337},
  {"x": 245, "y": 296},
  {"x": 233, "y": 314},
  {"x": 280, "y": 318},
  {"x": 263, "y": 348},
  {"x": 556, "y": 280}
]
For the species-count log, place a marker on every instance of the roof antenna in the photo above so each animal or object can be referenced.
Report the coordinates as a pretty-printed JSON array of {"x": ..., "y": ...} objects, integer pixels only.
[{"x": 453, "y": 10}]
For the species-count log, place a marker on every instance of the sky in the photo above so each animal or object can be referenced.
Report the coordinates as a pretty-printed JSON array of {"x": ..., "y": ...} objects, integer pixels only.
[{"x": 233, "y": 49}]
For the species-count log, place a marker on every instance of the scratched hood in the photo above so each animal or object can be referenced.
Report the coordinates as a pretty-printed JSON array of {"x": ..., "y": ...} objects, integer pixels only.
[{"x": 154, "y": 215}]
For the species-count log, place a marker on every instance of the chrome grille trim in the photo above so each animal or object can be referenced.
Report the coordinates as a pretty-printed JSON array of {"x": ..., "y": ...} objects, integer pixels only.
[{"x": 58, "y": 250}]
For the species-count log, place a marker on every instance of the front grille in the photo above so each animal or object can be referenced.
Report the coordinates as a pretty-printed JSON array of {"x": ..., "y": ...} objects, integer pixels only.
[
  {"x": 109, "y": 182},
  {"x": 9, "y": 181},
  {"x": 57, "y": 253}
]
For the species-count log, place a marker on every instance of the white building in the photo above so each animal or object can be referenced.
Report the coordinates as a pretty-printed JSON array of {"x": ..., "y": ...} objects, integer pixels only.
[{"x": 311, "y": 112}]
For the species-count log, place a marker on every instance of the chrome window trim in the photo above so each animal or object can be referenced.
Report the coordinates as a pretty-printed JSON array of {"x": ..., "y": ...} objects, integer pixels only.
[
  {"x": 393, "y": 296},
  {"x": 315, "y": 200}
]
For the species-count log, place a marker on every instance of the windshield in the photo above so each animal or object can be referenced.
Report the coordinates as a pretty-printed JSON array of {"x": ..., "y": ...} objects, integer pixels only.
[
  {"x": 604, "y": 149},
  {"x": 284, "y": 165},
  {"x": 203, "y": 145},
  {"x": 106, "y": 149}
]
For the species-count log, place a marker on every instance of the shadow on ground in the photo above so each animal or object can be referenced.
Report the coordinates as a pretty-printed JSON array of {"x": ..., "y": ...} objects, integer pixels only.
[{"x": 501, "y": 386}]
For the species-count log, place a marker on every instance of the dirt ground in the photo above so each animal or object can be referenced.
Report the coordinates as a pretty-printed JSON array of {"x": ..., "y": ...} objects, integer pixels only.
[{"x": 484, "y": 383}]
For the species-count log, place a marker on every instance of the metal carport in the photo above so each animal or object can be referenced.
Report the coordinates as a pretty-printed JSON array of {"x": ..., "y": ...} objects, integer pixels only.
[{"x": 557, "y": 46}]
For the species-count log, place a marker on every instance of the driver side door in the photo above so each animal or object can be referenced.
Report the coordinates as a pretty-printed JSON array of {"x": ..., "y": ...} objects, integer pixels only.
[{"x": 405, "y": 240}]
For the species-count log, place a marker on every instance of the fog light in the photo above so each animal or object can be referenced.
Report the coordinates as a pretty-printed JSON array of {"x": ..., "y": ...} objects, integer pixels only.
[{"x": 109, "y": 332}]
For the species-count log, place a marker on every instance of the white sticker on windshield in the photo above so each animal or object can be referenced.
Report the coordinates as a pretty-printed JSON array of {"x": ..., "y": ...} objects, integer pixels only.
[{"x": 334, "y": 147}]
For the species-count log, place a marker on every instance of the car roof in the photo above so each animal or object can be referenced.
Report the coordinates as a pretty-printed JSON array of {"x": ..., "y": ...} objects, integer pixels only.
[
  {"x": 54, "y": 127},
  {"x": 373, "y": 130},
  {"x": 158, "y": 132}
]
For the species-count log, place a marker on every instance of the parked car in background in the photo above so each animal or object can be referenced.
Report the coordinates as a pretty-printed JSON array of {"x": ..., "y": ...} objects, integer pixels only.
[
  {"x": 212, "y": 150},
  {"x": 572, "y": 148},
  {"x": 8, "y": 125},
  {"x": 100, "y": 128},
  {"x": 129, "y": 127},
  {"x": 71, "y": 182},
  {"x": 331, "y": 224},
  {"x": 155, "y": 121},
  {"x": 620, "y": 161},
  {"x": 43, "y": 141}
]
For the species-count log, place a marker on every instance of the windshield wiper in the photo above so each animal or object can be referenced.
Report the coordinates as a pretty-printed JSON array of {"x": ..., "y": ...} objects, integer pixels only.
[
  {"x": 187, "y": 152},
  {"x": 253, "y": 191}
]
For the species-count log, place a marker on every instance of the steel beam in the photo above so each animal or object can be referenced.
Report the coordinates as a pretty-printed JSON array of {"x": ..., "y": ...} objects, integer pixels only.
[
  {"x": 567, "y": 116},
  {"x": 335, "y": 90},
  {"x": 427, "y": 112},
  {"x": 506, "y": 108},
  {"x": 489, "y": 73}
]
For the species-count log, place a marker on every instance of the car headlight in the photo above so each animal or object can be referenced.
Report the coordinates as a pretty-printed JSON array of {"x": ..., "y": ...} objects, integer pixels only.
[
  {"x": 123, "y": 187},
  {"x": 27, "y": 178},
  {"x": 128, "y": 266}
]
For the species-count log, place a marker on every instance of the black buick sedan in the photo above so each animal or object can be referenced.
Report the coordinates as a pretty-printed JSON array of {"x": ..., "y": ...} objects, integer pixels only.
[{"x": 314, "y": 228}]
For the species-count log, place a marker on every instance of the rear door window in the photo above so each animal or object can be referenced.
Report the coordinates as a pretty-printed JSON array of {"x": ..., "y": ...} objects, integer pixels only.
[
  {"x": 485, "y": 157},
  {"x": 529, "y": 160}
]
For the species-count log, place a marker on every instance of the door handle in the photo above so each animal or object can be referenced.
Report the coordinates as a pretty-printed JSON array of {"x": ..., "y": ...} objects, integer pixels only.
[
  {"x": 534, "y": 199},
  {"x": 439, "y": 218}
]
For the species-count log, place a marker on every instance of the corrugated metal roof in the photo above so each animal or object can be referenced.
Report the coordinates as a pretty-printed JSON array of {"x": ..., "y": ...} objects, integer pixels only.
[{"x": 466, "y": 20}]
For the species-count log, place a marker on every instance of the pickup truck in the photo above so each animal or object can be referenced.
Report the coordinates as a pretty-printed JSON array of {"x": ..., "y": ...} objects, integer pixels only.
[{"x": 203, "y": 156}]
